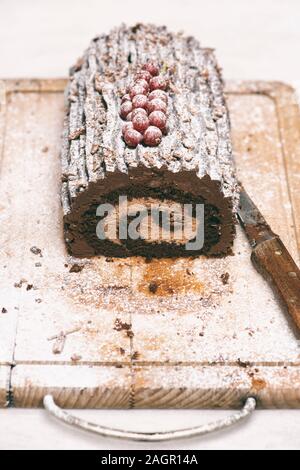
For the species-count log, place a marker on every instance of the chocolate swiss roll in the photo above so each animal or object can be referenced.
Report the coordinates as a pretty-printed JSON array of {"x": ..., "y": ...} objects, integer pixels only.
[{"x": 147, "y": 165}]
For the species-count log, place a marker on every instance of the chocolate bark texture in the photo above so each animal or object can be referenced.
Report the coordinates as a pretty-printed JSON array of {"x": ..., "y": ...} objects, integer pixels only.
[{"x": 192, "y": 164}]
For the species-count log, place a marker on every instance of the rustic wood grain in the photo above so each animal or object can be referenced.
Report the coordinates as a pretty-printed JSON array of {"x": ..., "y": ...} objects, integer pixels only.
[
  {"x": 4, "y": 385},
  {"x": 98, "y": 387},
  {"x": 216, "y": 387},
  {"x": 266, "y": 148},
  {"x": 9, "y": 296},
  {"x": 272, "y": 259},
  {"x": 228, "y": 343},
  {"x": 289, "y": 128}
]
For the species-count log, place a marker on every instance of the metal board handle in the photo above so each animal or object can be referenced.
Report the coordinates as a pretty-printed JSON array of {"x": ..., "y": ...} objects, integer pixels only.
[{"x": 104, "y": 431}]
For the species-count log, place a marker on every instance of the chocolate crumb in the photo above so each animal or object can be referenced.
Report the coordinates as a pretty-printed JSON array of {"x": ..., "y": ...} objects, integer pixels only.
[
  {"x": 119, "y": 325},
  {"x": 130, "y": 334},
  {"x": 29, "y": 286},
  {"x": 3, "y": 310},
  {"x": 45, "y": 149},
  {"x": 251, "y": 332},
  {"x": 38, "y": 301},
  {"x": 76, "y": 268},
  {"x": 122, "y": 351},
  {"x": 20, "y": 283},
  {"x": 153, "y": 286},
  {"x": 36, "y": 251},
  {"x": 243, "y": 364},
  {"x": 135, "y": 355},
  {"x": 38, "y": 265},
  {"x": 225, "y": 278},
  {"x": 75, "y": 358}
]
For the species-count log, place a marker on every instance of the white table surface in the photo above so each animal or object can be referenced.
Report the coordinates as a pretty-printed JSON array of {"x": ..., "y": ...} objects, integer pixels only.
[{"x": 257, "y": 39}]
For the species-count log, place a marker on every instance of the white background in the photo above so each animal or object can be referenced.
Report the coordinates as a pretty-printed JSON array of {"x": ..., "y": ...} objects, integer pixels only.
[{"x": 255, "y": 39}]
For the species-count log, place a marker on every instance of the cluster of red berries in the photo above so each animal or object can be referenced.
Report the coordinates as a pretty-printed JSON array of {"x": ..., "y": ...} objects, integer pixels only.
[{"x": 144, "y": 107}]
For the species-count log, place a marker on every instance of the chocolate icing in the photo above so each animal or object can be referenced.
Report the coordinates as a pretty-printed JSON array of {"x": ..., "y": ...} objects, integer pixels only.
[{"x": 193, "y": 163}]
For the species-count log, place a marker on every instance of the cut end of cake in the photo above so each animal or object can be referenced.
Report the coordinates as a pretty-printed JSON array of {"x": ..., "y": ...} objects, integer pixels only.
[{"x": 172, "y": 214}]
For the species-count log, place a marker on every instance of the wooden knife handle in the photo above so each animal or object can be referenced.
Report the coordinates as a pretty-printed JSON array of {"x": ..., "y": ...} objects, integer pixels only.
[{"x": 273, "y": 261}]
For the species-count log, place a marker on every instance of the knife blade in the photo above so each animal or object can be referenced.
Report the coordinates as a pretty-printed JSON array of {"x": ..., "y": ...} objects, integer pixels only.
[{"x": 270, "y": 256}]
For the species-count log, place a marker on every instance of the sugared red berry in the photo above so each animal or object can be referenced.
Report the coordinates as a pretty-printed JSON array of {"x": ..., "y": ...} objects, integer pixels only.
[
  {"x": 125, "y": 98},
  {"x": 158, "y": 83},
  {"x": 152, "y": 136},
  {"x": 137, "y": 90},
  {"x": 132, "y": 137},
  {"x": 129, "y": 116},
  {"x": 126, "y": 127},
  {"x": 152, "y": 68},
  {"x": 158, "y": 119},
  {"x": 125, "y": 109},
  {"x": 160, "y": 94},
  {"x": 138, "y": 111},
  {"x": 143, "y": 75},
  {"x": 143, "y": 83},
  {"x": 157, "y": 105},
  {"x": 140, "y": 122},
  {"x": 140, "y": 101}
]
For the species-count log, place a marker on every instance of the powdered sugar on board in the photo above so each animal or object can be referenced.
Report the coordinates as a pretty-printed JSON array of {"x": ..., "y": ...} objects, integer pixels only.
[{"x": 207, "y": 325}]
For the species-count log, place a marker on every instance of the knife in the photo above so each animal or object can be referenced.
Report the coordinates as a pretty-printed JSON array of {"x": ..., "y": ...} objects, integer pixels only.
[{"x": 270, "y": 257}]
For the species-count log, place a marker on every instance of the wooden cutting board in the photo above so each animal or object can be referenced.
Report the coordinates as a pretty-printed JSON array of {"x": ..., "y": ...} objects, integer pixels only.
[{"x": 211, "y": 335}]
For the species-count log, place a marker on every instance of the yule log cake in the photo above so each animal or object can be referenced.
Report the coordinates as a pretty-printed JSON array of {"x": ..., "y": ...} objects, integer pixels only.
[{"x": 147, "y": 125}]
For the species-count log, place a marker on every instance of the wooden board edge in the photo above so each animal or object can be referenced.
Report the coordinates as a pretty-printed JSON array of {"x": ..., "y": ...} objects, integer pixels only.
[
  {"x": 4, "y": 385},
  {"x": 220, "y": 387},
  {"x": 100, "y": 387},
  {"x": 161, "y": 387},
  {"x": 27, "y": 85},
  {"x": 3, "y": 102},
  {"x": 254, "y": 87}
]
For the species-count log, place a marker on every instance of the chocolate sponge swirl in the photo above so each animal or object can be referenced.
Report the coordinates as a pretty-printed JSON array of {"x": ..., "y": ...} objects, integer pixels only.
[{"x": 193, "y": 163}]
